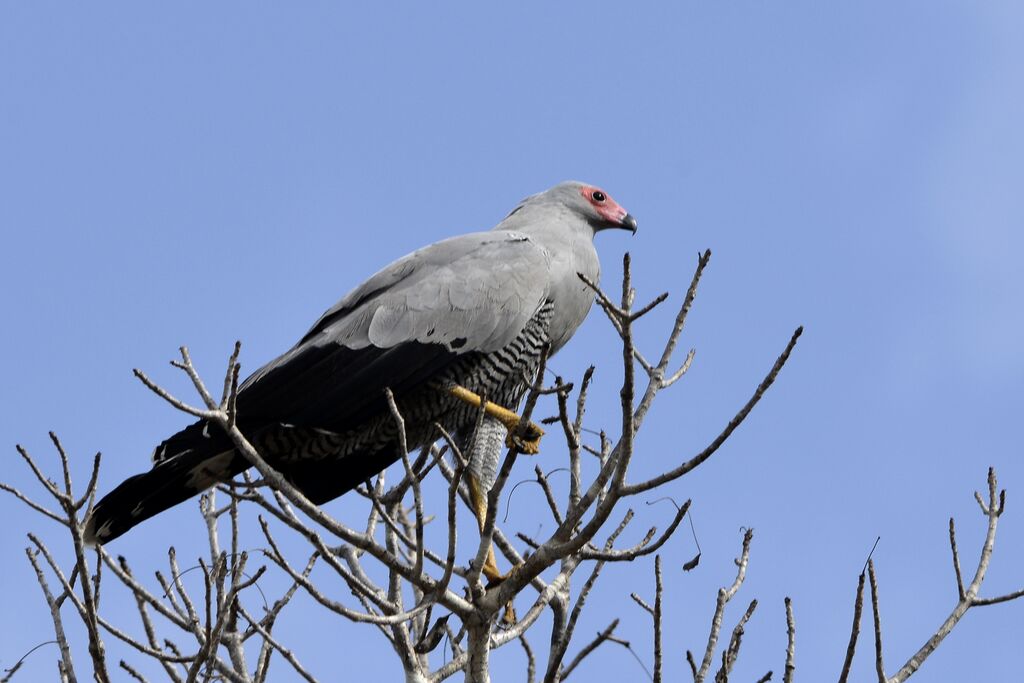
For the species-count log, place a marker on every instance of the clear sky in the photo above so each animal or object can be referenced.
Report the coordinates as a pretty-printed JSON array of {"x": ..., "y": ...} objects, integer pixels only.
[{"x": 222, "y": 171}]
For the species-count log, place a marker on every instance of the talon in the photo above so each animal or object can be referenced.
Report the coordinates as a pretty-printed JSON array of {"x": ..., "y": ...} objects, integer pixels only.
[
  {"x": 509, "y": 619},
  {"x": 491, "y": 571},
  {"x": 528, "y": 443},
  {"x": 495, "y": 577},
  {"x": 525, "y": 446}
]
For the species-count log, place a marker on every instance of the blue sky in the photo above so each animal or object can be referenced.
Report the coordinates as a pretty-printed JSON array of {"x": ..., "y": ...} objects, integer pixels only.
[{"x": 208, "y": 173}]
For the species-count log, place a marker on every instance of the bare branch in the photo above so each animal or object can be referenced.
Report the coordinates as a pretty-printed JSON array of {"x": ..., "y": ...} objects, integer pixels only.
[
  {"x": 879, "y": 665},
  {"x": 731, "y": 653},
  {"x": 658, "y": 590},
  {"x": 981, "y": 602},
  {"x": 285, "y": 652},
  {"x": 132, "y": 672},
  {"x": 47, "y": 483},
  {"x": 148, "y": 627},
  {"x": 9, "y": 672},
  {"x": 175, "y": 402},
  {"x": 643, "y": 603},
  {"x": 724, "y": 596},
  {"x": 90, "y": 487},
  {"x": 787, "y": 676},
  {"x": 403, "y": 448},
  {"x": 189, "y": 369},
  {"x": 531, "y": 660},
  {"x": 684, "y": 310},
  {"x": 683, "y": 369},
  {"x": 992, "y": 509},
  {"x": 956, "y": 559},
  {"x": 641, "y": 548},
  {"x": 58, "y": 625},
  {"x": 32, "y": 504},
  {"x": 561, "y": 640},
  {"x": 549, "y": 496},
  {"x": 858, "y": 606},
  {"x": 649, "y": 307},
  {"x": 735, "y": 422},
  {"x": 587, "y": 649}
]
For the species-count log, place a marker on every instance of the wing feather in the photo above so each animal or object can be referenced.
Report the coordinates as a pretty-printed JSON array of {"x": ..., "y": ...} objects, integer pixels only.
[{"x": 473, "y": 293}]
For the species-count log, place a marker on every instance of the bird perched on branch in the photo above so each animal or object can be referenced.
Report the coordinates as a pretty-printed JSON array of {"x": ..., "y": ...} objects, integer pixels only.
[{"x": 460, "y": 320}]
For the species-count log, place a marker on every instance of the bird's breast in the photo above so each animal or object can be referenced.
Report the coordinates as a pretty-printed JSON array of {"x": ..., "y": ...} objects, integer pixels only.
[{"x": 571, "y": 297}]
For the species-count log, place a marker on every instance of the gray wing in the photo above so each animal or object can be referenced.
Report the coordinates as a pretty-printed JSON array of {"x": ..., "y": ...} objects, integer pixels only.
[{"x": 472, "y": 293}]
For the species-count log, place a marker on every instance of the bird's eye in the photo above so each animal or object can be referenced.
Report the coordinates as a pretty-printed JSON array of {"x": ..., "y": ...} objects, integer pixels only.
[{"x": 598, "y": 196}]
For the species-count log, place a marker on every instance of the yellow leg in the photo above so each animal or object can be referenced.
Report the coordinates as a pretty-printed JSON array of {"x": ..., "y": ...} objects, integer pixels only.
[
  {"x": 529, "y": 443},
  {"x": 490, "y": 568}
]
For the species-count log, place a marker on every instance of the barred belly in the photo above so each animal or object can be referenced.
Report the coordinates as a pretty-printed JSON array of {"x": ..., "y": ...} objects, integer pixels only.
[{"x": 501, "y": 377}]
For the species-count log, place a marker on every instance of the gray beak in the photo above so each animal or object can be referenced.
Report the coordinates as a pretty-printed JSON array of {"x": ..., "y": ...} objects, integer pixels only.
[{"x": 629, "y": 223}]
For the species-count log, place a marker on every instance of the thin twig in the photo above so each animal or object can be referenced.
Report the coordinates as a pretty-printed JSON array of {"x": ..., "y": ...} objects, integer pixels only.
[
  {"x": 956, "y": 559},
  {"x": 858, "y": 606},
  {"x": 724, "y": 596},
  {"x": 879, "y": 664},
  {"x": 787, "y": 676},
  {"x": 601, "y": 637},
  {"x": 58, "y": 624},
  {"x": 735, "y": 422},
  {"x": 658, "y": 590},
  {"x": 732, "y": 651}
]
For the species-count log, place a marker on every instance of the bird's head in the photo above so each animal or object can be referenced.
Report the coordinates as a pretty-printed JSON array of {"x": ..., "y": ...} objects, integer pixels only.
[
  {"x": 594, "y": 205},
  {"x": 582, "y": 201}
]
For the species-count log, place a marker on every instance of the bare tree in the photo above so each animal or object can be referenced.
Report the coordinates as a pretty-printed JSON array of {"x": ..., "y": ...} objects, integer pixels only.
[{"x": 418, "y": 596}]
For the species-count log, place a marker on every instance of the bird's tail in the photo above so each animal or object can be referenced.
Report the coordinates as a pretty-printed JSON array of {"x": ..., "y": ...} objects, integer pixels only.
[{"x": 171, "y": 481}]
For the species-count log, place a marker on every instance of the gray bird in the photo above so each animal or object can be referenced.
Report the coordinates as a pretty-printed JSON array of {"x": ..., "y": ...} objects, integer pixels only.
[{"x": 461, "y": 319}]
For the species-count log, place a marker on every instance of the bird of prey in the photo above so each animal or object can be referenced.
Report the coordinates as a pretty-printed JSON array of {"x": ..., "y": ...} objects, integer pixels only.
[{"x": 456, "y": 322}]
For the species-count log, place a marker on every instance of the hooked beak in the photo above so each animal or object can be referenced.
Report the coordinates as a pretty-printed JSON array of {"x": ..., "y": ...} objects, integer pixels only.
[{"x": 628, "y": 223}]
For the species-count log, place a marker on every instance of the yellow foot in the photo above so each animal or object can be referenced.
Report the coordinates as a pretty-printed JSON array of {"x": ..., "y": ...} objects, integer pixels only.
[
  {"x": 528, "y": 443},
  {"x": 510, "y": 619},
  {"x": 494, "y": 579},
  {"x": 525, "y": 444},
  {"x": 490, "y": 568}
]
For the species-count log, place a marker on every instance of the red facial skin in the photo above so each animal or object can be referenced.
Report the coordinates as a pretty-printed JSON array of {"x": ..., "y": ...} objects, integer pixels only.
[{"x": 608, "y": 209}]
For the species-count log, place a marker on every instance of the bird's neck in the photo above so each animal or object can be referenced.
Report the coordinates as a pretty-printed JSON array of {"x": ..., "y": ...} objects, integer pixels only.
[{"x": 548, "y": 225}]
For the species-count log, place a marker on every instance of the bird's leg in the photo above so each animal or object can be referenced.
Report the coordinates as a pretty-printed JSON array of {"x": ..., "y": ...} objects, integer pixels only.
[
  {"x": 490, "y": 568},
  {"x": 479, "y": 499},
  {"x": 528, "y": 443}
]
